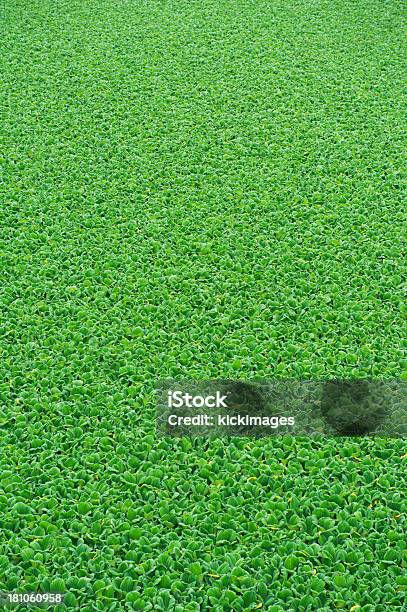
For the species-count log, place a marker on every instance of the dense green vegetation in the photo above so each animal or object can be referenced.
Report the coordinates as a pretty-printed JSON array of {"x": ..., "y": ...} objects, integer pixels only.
[{"x": 198, "y": 190}]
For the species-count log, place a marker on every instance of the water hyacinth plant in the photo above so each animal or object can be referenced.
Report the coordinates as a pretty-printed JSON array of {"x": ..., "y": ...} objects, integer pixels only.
[{"x": 198, "y": 190}]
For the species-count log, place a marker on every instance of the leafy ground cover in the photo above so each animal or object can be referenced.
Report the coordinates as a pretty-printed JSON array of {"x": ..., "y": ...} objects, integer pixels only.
[{"x": 198, "y": 190}]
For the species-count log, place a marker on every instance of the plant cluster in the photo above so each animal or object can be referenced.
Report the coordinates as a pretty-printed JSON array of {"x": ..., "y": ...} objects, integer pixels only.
[{"x": 198, "y": 189}]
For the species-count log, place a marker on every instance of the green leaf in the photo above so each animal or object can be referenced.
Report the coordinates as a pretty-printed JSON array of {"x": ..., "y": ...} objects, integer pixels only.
[
  {"x": 317, "y": 585},
  {"x": 291, "y": 562}
]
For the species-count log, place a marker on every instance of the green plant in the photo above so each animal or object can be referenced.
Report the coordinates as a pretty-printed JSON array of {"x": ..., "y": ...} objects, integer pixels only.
[{"x": 198, "y": 190}]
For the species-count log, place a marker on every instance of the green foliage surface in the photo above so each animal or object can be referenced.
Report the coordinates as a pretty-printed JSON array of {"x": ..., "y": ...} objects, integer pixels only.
[{"x": 198, "y": 189}]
